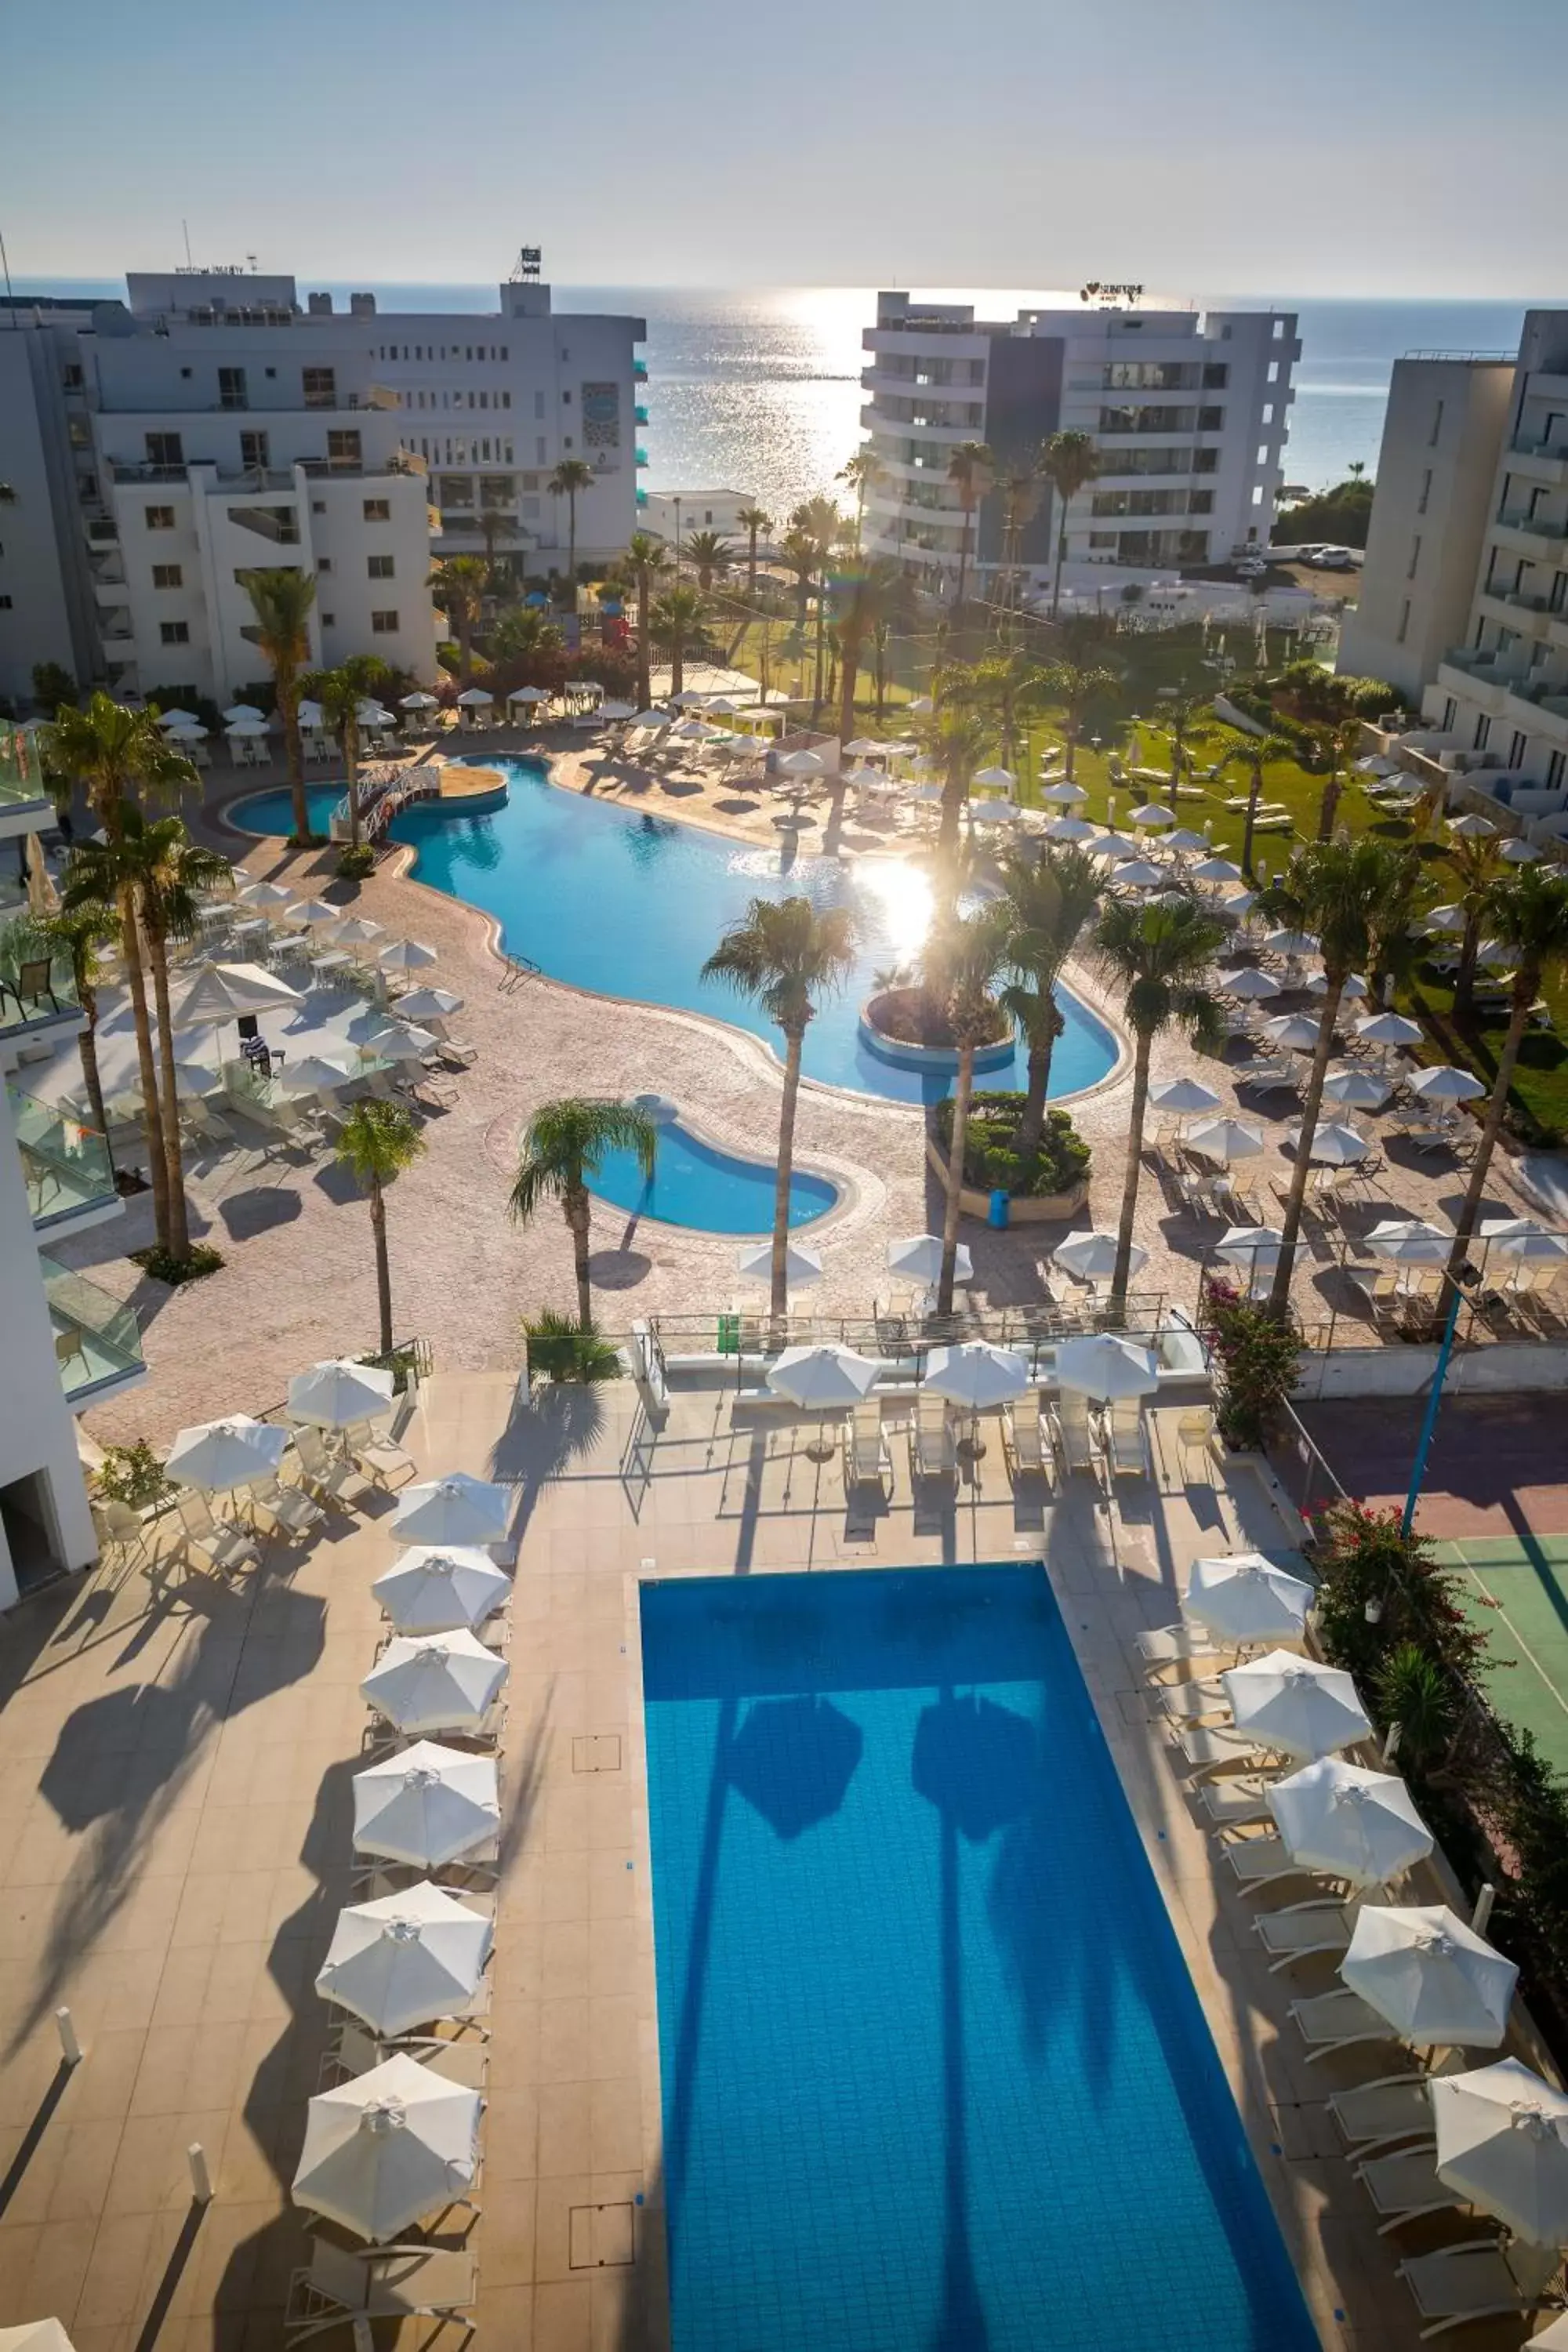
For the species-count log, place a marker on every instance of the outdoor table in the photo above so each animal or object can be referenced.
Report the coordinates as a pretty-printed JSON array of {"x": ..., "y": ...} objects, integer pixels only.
[{"x": 334, "y": 960}]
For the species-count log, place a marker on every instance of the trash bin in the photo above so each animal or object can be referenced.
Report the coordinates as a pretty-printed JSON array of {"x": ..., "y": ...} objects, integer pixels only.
[{"x": 997, "y": 1214}]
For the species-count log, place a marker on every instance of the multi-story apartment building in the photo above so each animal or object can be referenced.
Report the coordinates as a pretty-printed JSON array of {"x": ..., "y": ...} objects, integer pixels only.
[
  {"x": 1188, "y": 411},
  {"x": 153, "y": 451}
]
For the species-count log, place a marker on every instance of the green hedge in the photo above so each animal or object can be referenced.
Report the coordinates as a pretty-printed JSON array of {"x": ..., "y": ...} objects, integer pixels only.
[{"x": 992, "y": 1162}]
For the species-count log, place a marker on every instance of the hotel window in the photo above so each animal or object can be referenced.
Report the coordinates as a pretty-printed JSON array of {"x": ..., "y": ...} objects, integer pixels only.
[
  {"x": 320, "y": 387},
  {"x": 159, "y": 517},
  {"x": 323, "y": 563},
  {"x": 78, "y": 432},
  {"x": 232, "y": 391},
  {"x": 379, "y": 567},
  {"x": 1436, "y": 426},
  {"x": 540, "y": 459},
  {"x": 1404, "y": 623},
  {"x": 175, "y": 632},
  {"x": 329, "y": 620},
  {"x": 255, "y": 449},
  {"x": 1273, "y": 371},
  {"x": 1415, "y": 556},
  {"x": 1426, "y": 491},
  {"x": 1516, "y": 751},
  {"x": 165, "y": 450},
  {"x": 167, "y": 575},
  {"x": 6, "y": 604},
  {"x": 383, "y": 625},
  {"x": 1483, "y": 730},
  {"x": 506, "y": 400},
  {"x": 342, "y": 449},
  {"x": 539, "y": 408},
  {"x": 505, "y": 353},
  {"x": 71, "y": 376},
  {"x": 1555, "y": 767},
  {"x": 377, "y": 509}
]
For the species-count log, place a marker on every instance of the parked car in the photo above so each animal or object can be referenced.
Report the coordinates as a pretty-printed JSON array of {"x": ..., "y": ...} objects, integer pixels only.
[{"x": 1335, "y": 559}]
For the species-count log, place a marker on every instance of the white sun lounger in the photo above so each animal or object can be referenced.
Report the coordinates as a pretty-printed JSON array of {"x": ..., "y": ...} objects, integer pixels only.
[
  {"x": 393, "y": 2283},
  {"x": 1259, "y": 1862},
  {"x": 1193, "y": 1702},
  {"x": 867, "y": 1462},
  {"x": 1024, "y": 1438},
  {"x": 1378, "y": 2114},
  {"x": 1075, "y": 1434},
  {"x": 932, "y": 1451},
  {"x": 1214, "y": 1748},
  {"x": 1236, "y": 1802},
  {"x": 1302, "y": 1930},
  {"x": 1170, "y": 1645},
  {"x": 1127, "y": 1438},
  {"x": 1404, "y": 2186},
  {"x": 1478, "y": 2280},
  {"x": 1337, "y": 2020}
]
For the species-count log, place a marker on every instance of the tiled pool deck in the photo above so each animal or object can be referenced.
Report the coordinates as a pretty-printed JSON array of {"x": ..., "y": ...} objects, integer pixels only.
[{"x": 175, "y": 1844}]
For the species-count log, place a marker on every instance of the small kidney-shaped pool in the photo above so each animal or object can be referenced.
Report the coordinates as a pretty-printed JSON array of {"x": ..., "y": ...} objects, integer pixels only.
[{"x": 694, "y": 1183}]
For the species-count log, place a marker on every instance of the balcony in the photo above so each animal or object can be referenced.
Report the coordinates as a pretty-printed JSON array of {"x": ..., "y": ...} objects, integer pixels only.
[
  {"x": 97, "y": 1341},
  {"x": 26, "y": 804},
  {"x": 642, "y": 496},
  {"x": 641, "y": 457},
  {"x": 134, "y": 474},
  {"x": 640, "y": 371},
  {"x": 1528, "y": 535},
  {"x": 66, "y": 1166},
  {"x": 1539, "y": 461},
  {"x": 31, "y": 1004},
  {"x": 640, "y": 415}
]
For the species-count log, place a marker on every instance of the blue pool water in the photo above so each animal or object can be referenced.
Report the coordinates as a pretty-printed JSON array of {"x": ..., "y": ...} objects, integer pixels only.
[
  {"x": 935, "y": 2078},
  {"x": 695, "y": 1184},
  {"x": 631, "y": 905},
  {"x": 274, "y": 811}
]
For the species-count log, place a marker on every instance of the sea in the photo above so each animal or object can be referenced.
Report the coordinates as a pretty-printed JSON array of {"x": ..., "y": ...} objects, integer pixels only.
[{"x": 759, "y": 389}]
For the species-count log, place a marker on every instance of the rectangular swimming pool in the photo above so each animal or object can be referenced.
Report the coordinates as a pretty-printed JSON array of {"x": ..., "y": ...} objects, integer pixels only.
[{"x": 935, "y": 2076}]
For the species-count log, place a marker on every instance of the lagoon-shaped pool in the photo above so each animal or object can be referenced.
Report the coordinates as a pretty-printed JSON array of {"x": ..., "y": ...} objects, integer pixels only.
[{"x": 694, "y": 1183}]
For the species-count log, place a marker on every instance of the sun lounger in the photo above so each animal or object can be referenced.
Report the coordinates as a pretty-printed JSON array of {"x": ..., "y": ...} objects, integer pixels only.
[
  {"x": 222, "y": 1546},
  {"x": 327, "y": 1474},
  {"x": 932, "y": 1451},
  {"x": 1238, "y": 1802},
  {"x": 289, "y": 1507},
  {"x": 1128, "y": 1438},
  {"x": 382, "y": 2283},
  {"x": 1261, "y": 1862},
  {"x": 1338, "y": 2020},
  {"x": 381, "y": 1459},
  {"x": 1304, "y": 1930},
  {"x": 1379, "y": 2115},
  {"x": 1215, "y": 1747},
  {"x": 1074, "y": 1433},
  {"x": 1170, "y": 1645},
  {"x": 1479, "y": 2279},
  {"x": 1024, "y": 1438},
  {"x": 1404, "y": 2186},
  {"x": 868, "y": 1458},
  {"x": 1193, "y": 1702}
]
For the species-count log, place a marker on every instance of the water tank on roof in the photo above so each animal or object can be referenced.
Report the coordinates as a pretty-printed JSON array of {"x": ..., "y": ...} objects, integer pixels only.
[
  {"x": 361, "y": 306},
  {"x": 320, "y": 305}
]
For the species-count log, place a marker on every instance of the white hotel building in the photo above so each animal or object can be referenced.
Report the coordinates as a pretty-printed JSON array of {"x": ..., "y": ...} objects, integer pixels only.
[
  {"x": 153, "y": 451},
  {"x": 1188, "y": 411}
]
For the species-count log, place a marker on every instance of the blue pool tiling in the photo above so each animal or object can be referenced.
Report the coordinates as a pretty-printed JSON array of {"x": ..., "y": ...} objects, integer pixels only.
[
  {"x": 694, "y": 1183},
  {"x": 273, "y": 811},
  {"x": 935, "y": 2077}
]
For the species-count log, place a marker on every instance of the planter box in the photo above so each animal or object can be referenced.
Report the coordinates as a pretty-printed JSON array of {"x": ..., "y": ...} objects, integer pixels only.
[{"x": 1049, "y": 1208}]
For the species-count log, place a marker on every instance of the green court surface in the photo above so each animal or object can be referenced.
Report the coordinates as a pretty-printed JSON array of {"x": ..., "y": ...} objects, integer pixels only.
[{"x": 1526, "y": 1582}]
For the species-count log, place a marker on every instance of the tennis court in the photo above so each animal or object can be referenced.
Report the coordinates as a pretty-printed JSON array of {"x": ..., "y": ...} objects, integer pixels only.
[{"x": 1518, "y": 1594}]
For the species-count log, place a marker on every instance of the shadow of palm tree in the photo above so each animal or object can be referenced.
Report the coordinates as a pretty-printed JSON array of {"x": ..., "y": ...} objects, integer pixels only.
[{"x": 547, "y": 1431}]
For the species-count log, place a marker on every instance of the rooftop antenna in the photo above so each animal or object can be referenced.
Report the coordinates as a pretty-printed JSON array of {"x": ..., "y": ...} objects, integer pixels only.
[
  {"x": 251, "y": 258},
  {"x": 186, "y": 231}
]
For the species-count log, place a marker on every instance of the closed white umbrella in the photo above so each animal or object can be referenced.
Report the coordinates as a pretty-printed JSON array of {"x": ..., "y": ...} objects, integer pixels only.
[
  {"x": 1224, "y": 1139},
  {"x": 1357, "y": 1825},
  {"x": 1356, "y": 1089},
  {"x": 426, "y": 1805},
  {"x": 1137, "y": 874},
  {"x": 1446, "y": 1084},
  {"x": 1242, "y": 1597},
  {"x": 392, "y": 2144},
  {"x": 1150, "y": 816},
  {"x": 1104, "y": 1366},
  {"x": 436, "y": 1587},
  {"x": 216, "y": 1457},
  {"x": 429, "y": 1004},
  {"x": 1214, "y": 870},
  {"x": 1064, "y": 794},
  {"x": 801, "y": 1264},
  {"x": 1502, "y": 2143},
  {"x": 823, "y": 1376},
  {"x": 1069, "y": 828},
  {"x": 474, "y": 698},
  {"x": 1335, "y": 1143},
  {"x": 223, "y": 990},
  {"x": 427, "y": 1683},
  {"x": 406, "y": 1959},
  {"x": 1295, "y": 1705},
  {"x": 336, "y": 1393},
  {"x": 1293, "y": 1031},
  {"x": 1388, "y": 1029},
  {"x": 1093, "y": 1256},
  {"x": 405, "y": 955},
  {"x": 1185, "y": 1097},
  {"x": 1434, "y": 1979},
  {"x": 918, "y": 1258},
  {"x": 1248, "y": 983},
  {"x": 976, "y": 1374},
  {"x": 455, "y": 1509}
]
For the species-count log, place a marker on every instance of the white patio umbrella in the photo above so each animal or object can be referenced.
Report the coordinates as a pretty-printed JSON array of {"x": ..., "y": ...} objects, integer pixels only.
[
  {"x": 1444, "y": 1084},
  {"x": 427, "y": 1683},
  {"x": 313, "y": 1074},
  {"x": 1445, "y": 919},
  {"x": 429, "y": 1004},
  {"x": 335, "y": 1393},
  {"x": 426, "y": 1805},
  {"x": 1113, "y": 848},
  {"x": 1388, "y": 1029},
  {"x": 1529, "y": 1242},
  {"x": 405, "y": 955},
  {"x": 35, "y": 2336},
  {"x": 1353, "y": 991},
  {"x": 1502, "y": 2143},
  {"x": 918, "y": 1258},
  {"x": 1093, "y": 1256},
  {"x": 1410, "y": 1241},
  {"x": 696, "y": 731},
  {"x": 1357, "y": 1825},
  {"x": 801, "y": 1266},
  {"x": 238, "y": 712},
  {"x": 865, "y": 747},
  {"x": 311, "y": 715},
  {"x": 976, "y": 1374},
  {"x": 920, "y": 707},
  {"x": 1242, "y": 1597},
  {"x": 1356, "y": 1089},
  {"x": 993, "y": 813},
  {"x": 1214, "y": 870},
  {"x": 371, "y": 715},
  {"x": 1251, "y": 1245},
  {"x": 1224, "y": 1139},
  {"x": 1290, "y": 944},
  {"x": 995, "y": 779},
  {"x": 1104, "y": 1366},
  {"x": 315, "y": 911},
  {"x": 1069, "y": 828},
  {"x": 1136, "y": 873},
  {"x": 1293, "y": 1030},
  {"x": 356, "y": 931},
  {"x": 1518, "y": 853},
  {"x": 1064, "y": 794},
  {"x": 177, "y": 719},
  {"x": 188, "y": 731},
  {"x": 1151, "y": 815},
  {"x": 1185, "y": 1096},
  {"x": 1248, "y": 983},
  {"x": 270, "y": 895},
  {"x": 398, "y": 1042},
  {"x": 457, "y": 1509},
  {"x": 436, "y": 1587},
  {"x": 541, "y": 694},
  {"x": 387, "y": 2147},
  {"x": 247, "y": 729},
  {"x": 1472, "y": 826},
  {"x": 821, "y": 1377},
  {"x": 406, "y": 1959},
  {"x": 217, "y": 1456},
  {"x": 1295, "y": 1705},
  {"x": 1335, "y": 1143},
  {"x": 418, "y": 701},
  {"x": 1434, "y": 1979},
  {"x": 223, "y": 990},
  {"x": 475, "y": 697},
  {"x": 618, "y": 712},
  {"x": 802, "y": 763},
  {"x": 1184, "y": 841}
]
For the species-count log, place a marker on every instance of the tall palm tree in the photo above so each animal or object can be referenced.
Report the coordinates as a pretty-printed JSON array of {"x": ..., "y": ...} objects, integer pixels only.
[
  {"x": 963, "y": 957},
  {"x": 1004, "y": 685},
  {"x": 175, "y": 873},
  {"x": 76, "y": 935},
  {"x": 1337, "y": 744},
  {"x": 861, "y": 474},
  {"x": 1074, "y": 685},
  {"x": 783, "y": 955},
  {"x": 647, "y": 557},
  {"x": 1477, "y": 864},
  {"x": 1046, "y": 901},
  {"x": 281, "y": 601},
  {"x": 1338, "y": 890},
  {"x": 459, "y": 585},
  {"x": 863, "y": 597},
  {"x": 1021, "y": 484},
  {"x": 753, "y": 522},
  {"x": 571, "y": 475},
  {"x": 675, "y": 619},
  {"x": 375, "y": 1143},
  {"x": 1529, "y": 911},
  {"x": 1069, "y": 462},
  {"x": 709, "y": 554},
  {"x": 970, "y": 468},
  {"x": 1161, "y": 956},
  {"x": 340, "y": 693},
  {"x": 1182, "y": 717},
  {"x": 564, "y": 1146},
  {"x": 818, "y": 519},
  {"x": 797, "y": 554},
  {"x": 1251, "y": 754},
  {"x": 495, "y": 524},
  {"x": 525, "y": 633},
  {"x": 961, "y": 738}
]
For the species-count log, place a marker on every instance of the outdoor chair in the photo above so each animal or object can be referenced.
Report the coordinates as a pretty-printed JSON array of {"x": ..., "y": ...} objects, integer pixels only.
[
  {"x": 868, "y": 1458},
  {"x": 1195, "y": 1434},
  {"x": 1169, "y": 1645},
  {"x": 31, "y": 986},
  {"x": 290, "y": 1509},
  {"x": 1262, "y": 1861},
  {"x": 1403, "y": 2187},
  {"x": 1193, "y": 1702},
  {"x": 1216, "y": 1747},
  {"x": 1074, "y": 1433},
  {"x": 383, "y": 1460},
  {"x": 327, "y": 1474},
  {"x": 222, "y": 1546},
  {"x": 1380, "y": 2114},
  {"x": 452, "y": 1053},
  {"x": 1024, "y": 1438},
  {"x": 932, "y": 1454},
  {"x": 394, "y": 2282},
  {"x": 1240, "y": 1802},
  {"x": 1304, "y": 1931},
  {"x": 1127, "y": 1436},
  {"x": 206, "y": 1125},
  {"x": 121, "y": 1530},
  {"x": 1479, "y": 2280},
  {"x": 1332, "y": 2021}
]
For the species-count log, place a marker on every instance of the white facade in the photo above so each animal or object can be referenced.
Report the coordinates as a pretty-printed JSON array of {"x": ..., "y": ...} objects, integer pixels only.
[
  {"x": 1188, "y": 411},
  {"x": 1441, "y": 440},
  {"x": 675, "y": 514}
]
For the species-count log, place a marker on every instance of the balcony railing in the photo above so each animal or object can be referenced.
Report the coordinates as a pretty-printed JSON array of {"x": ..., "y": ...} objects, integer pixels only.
[
  {"x": 640, "y": 371},
  {"x": 25, "y": 1003},
  {"x": 66, "y": 1166},
  {"x": 23, "y": 784},
  {"x": 97, "y": 1341},
  {"x": 641, "y": 456},
  {"x": 640, "y": 415}
]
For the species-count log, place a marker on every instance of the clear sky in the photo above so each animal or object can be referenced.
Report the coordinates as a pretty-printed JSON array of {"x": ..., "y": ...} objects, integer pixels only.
[{"x": 1342, "y": 147}]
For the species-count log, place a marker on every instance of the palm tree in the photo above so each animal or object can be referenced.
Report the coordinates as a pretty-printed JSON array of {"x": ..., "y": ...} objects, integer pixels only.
[
  {"x": 1003, "y": 685},
  {"x": 859, "y": 473},
  {"x": 375, "y": 1143},
  {"x": 1251, "y": 754},
  {"x": 709, "y": 554},
  {"x": 340, "y": 693},
  {"x": 571, "y": 475},
  {"x": 525, "y": 633},
  {"x": 753, "y": 521},
  {"x": 863, "y": 598},
  {"x": 797, "y": 554},
  {"x": 1075, "y": 685},
  {"x": 970, "y": 468},
  {"x": 1046, "y": 901},
  {"x": 646, "y": 558},
  {"x": 564, "y": 1146},
  {"x": 495, "y": 524},
  {"x": 962, "y": 960},
  {"x": 175, "y": 872},
  {"x": 1337, "y": 745},
  {"x": 1020, "y": 485},
  {"x": 783, "y": 955},
  {"x": 1528, "y": 910},
  {"x": 1182, "y": 716},
  {"x": 1069, "y": 462},
  {"x": 1161, "y": 956},
  {"x": 76, "y": 935},
  {"x": 1477, "y": 864},
  {"x": 459, "y": 586},
  {"x": 1338, "y": 890},
  {"x": 281, "y": 601},
  {"x": 819, "y": 522},
  {"x": 675, "y": 619},
  {"x": 960, "y": 739}
]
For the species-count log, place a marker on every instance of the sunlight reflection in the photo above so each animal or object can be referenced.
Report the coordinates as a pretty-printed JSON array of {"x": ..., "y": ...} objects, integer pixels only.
[{"x": 903, "y": 896}]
